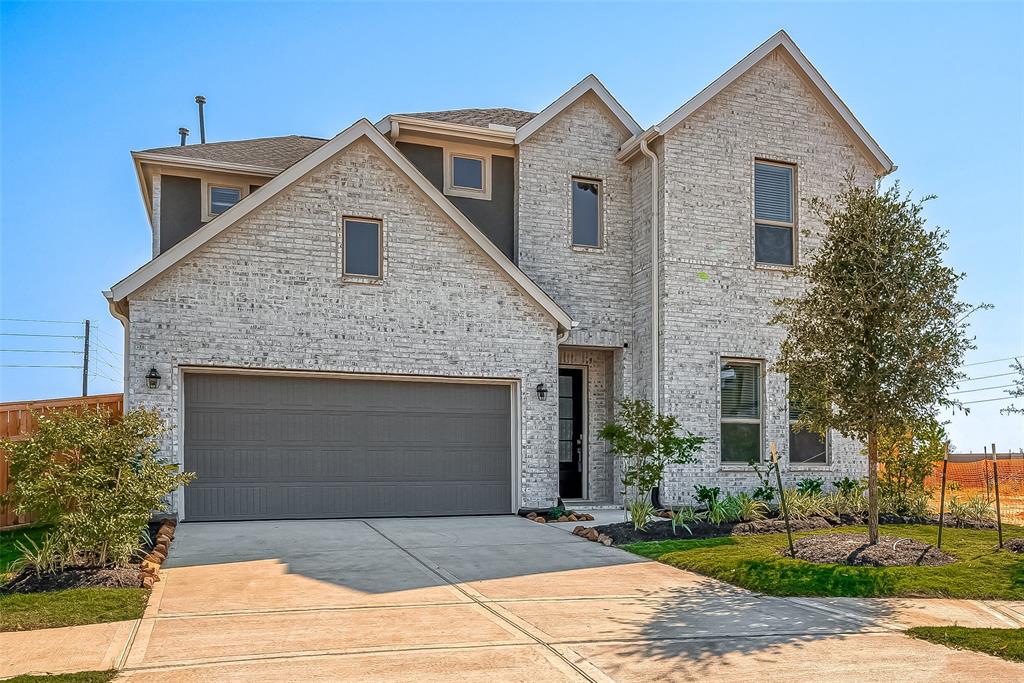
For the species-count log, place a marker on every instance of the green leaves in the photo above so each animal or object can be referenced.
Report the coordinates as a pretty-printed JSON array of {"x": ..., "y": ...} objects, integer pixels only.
[
  {"x": 648, "y": 442},
  {"x": 95, "y": 478}
]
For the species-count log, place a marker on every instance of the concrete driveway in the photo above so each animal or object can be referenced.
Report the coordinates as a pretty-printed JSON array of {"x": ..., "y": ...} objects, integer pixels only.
[{"x": 503, "y": 599}]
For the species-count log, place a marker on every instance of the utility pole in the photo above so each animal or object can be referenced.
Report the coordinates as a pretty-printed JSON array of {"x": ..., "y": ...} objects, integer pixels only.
[{"x": 85, "y": 362}]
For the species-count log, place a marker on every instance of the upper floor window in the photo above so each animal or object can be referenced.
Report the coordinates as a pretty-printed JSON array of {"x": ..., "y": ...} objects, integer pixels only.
[
  {"x": 586, "y": 212},
  {"x": 467, "y": 172},
  {"x": 741, "y": 394},
  {"x": 362, "y": 245},
  {"x": 223, "y": 198},
  {"x": 805, "y": 448},
  {"x": 774, "y": 213}
]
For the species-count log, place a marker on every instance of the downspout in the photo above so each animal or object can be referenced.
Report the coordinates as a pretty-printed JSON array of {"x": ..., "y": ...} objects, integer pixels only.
[
  {"x": 655, "y": 277},
  {"x": 115, "y": 310}
]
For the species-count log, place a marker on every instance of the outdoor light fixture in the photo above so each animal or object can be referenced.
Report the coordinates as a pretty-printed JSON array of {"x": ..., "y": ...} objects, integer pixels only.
[
  {"x": 153, "y": 378},
  {"x": 542, "y": 391}
]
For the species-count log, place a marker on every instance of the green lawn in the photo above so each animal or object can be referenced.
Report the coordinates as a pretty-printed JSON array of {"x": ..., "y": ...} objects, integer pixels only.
[
  {"x": 9, "y": 553},
  {"x": 1007, "y": 643},
  {"x": 83, "y": 677},
  {"x": 24, "y": 612},
  {"x": 754, "y": 562}
]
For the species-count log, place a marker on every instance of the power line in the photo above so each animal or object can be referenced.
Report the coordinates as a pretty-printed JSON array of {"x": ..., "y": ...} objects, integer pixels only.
[
  {"x": 1003, "y": 374},
  {"x": 986, "y": 400},
  {"x": 103, "y": 346},
  {"x": 74, "y": 367},
  {"x": 995, "y": 360},
  {"x": 968, "y": 391},
  {"x": 39, "y": 351},
  {"x": 31, "y": 320},
  {"x": 26, "y": 334}
]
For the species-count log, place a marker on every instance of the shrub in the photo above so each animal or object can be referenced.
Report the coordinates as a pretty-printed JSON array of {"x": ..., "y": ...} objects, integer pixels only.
[
  {"x": 916, "y": 504},
  {"x": 640, "y": 511},
  {"x": 648, "y": 442},
  {"x": 683, "y": 517},
  {"x": 907, "y": 457},
  {"x": 766, "y": 489},
  {"x": 804, "y": 505},
  {"x": 810, "y": 486},
  {"x": 976, "y": 509},
  {"x": 743, "y": 507},
  {"x": 846, "y": 502},
  {"x": 95, "y": 478},
  {"x": 849, "y": 487},
  {"x": 706, "y": 495},
  {"x": 49, "y": 555}
]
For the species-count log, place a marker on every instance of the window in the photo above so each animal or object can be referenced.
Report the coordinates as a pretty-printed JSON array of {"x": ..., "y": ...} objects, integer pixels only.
[
  {"x": 805, "y": 448},
  {"x": 586, "y": 212},
  {"x": 223, "y": 198},
  {"x": 774, "y": 213},
  {"x": 361, "y": 246},
  {"x": 741, "y": 411},
  {"x": 467, "y": 173}
]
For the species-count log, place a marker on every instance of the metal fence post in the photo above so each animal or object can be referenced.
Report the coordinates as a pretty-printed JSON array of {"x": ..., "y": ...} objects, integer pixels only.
[{"x": 942, "y": 495}]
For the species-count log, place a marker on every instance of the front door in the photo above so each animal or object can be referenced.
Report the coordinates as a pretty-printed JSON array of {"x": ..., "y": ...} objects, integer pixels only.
[{"x": 570, "y": 432}]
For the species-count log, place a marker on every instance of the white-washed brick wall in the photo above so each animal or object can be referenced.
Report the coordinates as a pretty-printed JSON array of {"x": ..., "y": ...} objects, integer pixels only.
[
  {"x": 708, "y": 223},
  {"x": 592, "y": 285},
  {"x": 268, "y": 294}
]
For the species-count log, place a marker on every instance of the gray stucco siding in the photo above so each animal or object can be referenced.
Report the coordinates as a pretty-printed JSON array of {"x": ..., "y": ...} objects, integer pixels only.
[{"x": 268, "y": 294}]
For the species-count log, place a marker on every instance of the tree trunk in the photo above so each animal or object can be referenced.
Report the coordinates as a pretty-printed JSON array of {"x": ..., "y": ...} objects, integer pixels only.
[{"x": 872, "y": 488}]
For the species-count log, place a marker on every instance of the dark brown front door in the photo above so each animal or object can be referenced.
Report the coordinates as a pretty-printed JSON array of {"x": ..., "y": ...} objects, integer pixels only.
[{"x": 570, "y": 432}]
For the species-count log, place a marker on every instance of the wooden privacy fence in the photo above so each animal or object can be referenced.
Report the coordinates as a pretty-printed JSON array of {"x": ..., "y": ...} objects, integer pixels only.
[{"x": 17, "y": 422}]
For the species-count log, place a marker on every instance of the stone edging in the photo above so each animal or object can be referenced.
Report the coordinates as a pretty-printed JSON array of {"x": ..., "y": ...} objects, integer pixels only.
[{"x": 151, "y": 563}]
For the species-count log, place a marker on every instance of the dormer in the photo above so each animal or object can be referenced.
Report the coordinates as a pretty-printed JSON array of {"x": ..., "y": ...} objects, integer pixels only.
[
  {"x": 187, "y": 186},
  {"x": 470, "y": 156}
]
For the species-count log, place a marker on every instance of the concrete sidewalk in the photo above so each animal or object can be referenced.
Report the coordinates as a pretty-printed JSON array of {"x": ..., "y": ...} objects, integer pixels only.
[{"x": 501, "y": 598}]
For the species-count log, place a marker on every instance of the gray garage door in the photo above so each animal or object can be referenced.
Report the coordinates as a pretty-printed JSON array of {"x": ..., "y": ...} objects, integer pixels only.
[{"x": 276, "y": 447}]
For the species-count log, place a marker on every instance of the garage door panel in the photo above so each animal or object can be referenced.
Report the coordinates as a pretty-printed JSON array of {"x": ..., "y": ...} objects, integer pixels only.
[{"x": 314, "y": 448}]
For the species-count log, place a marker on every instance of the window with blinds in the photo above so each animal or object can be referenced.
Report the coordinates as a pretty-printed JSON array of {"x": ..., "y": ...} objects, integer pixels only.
[
  {"x": 741, "y": 392},
  {"x": 805, "y": 448},
  {"x": 774, "y": 213}
]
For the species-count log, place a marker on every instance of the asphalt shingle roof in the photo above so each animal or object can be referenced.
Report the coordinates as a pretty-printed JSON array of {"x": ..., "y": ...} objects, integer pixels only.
[
  {"x": 279, "y": 152},
  {"x": 478, "y": 117}
]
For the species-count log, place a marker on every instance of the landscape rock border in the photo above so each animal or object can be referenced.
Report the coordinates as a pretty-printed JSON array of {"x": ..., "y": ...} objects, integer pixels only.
[
  {"x": 570, "y": 516},
  {"x": 149, "y": 572}
]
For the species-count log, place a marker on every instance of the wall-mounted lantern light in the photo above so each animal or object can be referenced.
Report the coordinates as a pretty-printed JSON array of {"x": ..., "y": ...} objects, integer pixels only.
[
  {"x": 542, "y": 391},
  {"x": 153, "y": 378}
]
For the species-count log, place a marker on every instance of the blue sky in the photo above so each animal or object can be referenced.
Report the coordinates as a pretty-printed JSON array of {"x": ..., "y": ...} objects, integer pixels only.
[{"x": 940, "y": 86}]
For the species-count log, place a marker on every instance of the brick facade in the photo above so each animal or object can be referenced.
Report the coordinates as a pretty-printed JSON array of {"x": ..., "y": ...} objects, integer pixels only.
[{"x": 268, "y": 293}]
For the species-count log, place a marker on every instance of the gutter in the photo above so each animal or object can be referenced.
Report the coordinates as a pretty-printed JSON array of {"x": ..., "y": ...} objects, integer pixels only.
[{"x": 655, "y": 271}]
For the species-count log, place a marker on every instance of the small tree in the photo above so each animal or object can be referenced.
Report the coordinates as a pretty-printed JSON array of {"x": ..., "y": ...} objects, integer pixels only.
[
  {"x": 907, "y": 457},
  {"x": 95, "y": 478},
  {"x": 648, "y": 442},
  {"x": 877, "y": 339}
]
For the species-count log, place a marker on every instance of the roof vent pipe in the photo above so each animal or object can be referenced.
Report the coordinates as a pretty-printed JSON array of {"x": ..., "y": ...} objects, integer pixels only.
[
  {"x": 200, "y": 100},
  {"x": 183, "y": 132}
]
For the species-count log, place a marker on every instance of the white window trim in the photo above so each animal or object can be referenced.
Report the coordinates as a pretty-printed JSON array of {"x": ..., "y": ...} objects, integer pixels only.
[
  {"x": 794, "y": 231},
  {"x": 600, "y": 246},
  {"x": 731, "y": 465},
  {"x": 451, "y": 189},
  {"x": 359, "y": 278}
]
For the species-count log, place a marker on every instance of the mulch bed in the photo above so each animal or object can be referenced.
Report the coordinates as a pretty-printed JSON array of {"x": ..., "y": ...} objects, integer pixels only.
[
  {"x": 853, "y": 549},
  {"x": 1015, "y": 545},
  {"x": 28, "y": 582},
  {"x": 623, "y": 532}
]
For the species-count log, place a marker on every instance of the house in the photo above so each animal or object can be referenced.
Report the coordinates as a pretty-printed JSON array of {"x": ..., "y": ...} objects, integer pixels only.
[{"x": 436, "y": 313}]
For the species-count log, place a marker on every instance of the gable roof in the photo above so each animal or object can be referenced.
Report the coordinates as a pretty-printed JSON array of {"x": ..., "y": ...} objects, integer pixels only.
[
  {"x": 587, "y": 85},
  {"x": 360, "y": 129},
  {"x": 499, "y": 116},
  {"x": 804, "y": 68},
  {"x": 273, "y": 153}
]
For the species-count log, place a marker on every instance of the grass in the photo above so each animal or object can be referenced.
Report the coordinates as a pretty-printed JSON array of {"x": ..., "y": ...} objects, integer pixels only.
[
  {"x": 27, "y": 611},
  {"x": 1007, "y": 643},
  {"x": 9, "y": 553},
  {"x": 81, "y": 677},
  {"x": 754, "y": 562}
]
